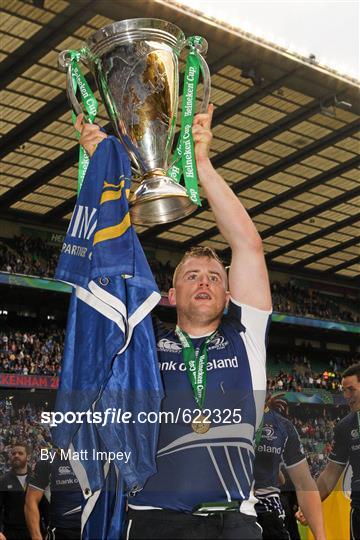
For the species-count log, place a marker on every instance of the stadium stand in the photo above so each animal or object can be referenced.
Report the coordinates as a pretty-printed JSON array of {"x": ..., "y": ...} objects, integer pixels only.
[
  {"x": 21, "y": 423},
  {"x": 33, "y": 256},
  {"x": 39, "y": 352},
  {"x": 31, "y": 353}
]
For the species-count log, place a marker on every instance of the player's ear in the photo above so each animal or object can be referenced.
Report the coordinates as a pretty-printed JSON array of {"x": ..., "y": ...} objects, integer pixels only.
[{"x": 172, "y": 296}]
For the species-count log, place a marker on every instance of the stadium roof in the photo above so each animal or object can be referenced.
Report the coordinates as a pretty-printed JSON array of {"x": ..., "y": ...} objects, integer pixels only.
[{"x": 286, "y": 134}]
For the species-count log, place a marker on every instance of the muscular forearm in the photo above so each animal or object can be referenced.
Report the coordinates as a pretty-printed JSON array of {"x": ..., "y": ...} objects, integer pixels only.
[
  {"x": 231, "y": 217},
  {"x": 32, "y": 517},
  {"x": 310, "y": 504}
]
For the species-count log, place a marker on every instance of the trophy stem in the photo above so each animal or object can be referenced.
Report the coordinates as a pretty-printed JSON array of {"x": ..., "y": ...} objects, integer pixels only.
[{"x": 159, "y": 200}]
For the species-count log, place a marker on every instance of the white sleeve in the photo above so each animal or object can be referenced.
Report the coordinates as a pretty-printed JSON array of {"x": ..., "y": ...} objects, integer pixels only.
[{"x": 255, "y": 323}]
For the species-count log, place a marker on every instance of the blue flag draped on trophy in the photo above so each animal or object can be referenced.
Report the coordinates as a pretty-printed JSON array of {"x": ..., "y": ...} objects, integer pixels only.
[{"x": 109, "y": 365}]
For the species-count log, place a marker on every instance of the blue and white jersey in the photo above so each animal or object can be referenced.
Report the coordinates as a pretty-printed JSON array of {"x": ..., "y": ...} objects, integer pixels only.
[
  {"x": 216, "y": 466},
  {"x": 279, "y": 444},
  {"x": 65, "y": 493},
  {"x": 346, "y": 450}
]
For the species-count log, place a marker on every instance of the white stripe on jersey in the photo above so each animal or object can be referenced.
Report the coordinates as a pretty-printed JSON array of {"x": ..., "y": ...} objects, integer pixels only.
[
  {"x": 247, "y": 446},
  {"x": 219, "y": 474},
  {"x": 243, "y": 464},
  {"x": 233, "y": 431},
  {"x": 233, "y": 472}
]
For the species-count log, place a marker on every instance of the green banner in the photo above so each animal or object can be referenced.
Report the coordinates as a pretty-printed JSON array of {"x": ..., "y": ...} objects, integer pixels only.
[
  {"x": 184, "y": 164},
  {"x": 317, "y": 323},
  {"x": 90, "y": 105},
  {"x": 34, "y": 282}
]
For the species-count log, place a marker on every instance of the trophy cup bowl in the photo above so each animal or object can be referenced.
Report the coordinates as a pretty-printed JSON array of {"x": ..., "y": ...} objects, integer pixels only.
[{"x": 135, "y": 65}]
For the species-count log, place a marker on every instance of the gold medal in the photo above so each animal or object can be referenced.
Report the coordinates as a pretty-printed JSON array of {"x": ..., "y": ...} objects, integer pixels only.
[{"x": 201, "y": 424}]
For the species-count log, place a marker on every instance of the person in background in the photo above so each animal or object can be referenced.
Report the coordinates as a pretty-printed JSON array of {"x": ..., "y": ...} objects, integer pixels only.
[
  {"x": 345, "y": 451},
  {"x": 58, "y": 479},
  {"x": 12, "y": 495},
  {"x": 278, "y": 442}
]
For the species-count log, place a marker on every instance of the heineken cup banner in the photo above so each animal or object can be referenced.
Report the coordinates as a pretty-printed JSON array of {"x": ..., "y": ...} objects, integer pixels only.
[{"x": 135, "y": 65}]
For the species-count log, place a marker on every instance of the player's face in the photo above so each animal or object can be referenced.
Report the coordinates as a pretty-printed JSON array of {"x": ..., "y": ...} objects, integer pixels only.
[
  {"x": 200, "y": 289},
  {"x": 18, "y": 457},
  {"x": 351, "y": 390}
]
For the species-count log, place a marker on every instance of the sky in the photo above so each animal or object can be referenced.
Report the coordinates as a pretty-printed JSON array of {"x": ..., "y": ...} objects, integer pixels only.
[{"x": 328, "y": 29}]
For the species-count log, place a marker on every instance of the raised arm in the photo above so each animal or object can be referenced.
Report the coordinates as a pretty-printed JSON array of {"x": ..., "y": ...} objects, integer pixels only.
[{"x": 248, "y": 277}]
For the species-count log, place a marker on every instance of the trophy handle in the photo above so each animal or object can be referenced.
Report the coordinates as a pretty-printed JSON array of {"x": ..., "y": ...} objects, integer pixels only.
[
  {"x": 64, "y": 63},
  {"x": 207, "y": 84},
  {"x": 202, "y": 48}
]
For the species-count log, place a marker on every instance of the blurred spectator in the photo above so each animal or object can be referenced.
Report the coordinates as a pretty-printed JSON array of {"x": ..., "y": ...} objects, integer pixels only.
[
  {"x": 307, "y": 302},
  {"x": 21, "y": 423},
  {"x": 295, "y": 373},
  {"x": 28, "y": 255},
  {"x": 30, "y": 353}
]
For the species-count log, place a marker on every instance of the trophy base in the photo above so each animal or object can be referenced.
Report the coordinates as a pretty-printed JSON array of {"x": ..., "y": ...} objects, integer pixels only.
[{"x": 159, "y": 200}]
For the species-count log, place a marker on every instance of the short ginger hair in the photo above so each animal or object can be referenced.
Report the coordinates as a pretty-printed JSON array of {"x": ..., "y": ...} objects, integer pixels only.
[{"x": 199, "y": 251}]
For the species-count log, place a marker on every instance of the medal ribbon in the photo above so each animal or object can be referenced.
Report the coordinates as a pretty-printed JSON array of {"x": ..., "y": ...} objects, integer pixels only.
[
  {"x": 184, "y": 164},
  {"x": 195, "y": 364},
  {"x": 90, "y": 105}
]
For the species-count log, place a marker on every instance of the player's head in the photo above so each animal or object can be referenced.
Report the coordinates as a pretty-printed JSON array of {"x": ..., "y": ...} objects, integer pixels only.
[
  {"x": 351, "y": 386},
  {"x": 19, "y": 455},
  {"x": 199, "y": 288},
  {"x": 198, "y": 252}
]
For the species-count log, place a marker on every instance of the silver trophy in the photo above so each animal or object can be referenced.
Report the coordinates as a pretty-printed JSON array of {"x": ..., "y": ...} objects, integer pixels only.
[{"x": 135, "y": 65}]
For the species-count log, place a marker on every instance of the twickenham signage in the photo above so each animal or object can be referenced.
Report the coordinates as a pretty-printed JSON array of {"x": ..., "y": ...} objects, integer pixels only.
[{"x": 16, "y": 380}]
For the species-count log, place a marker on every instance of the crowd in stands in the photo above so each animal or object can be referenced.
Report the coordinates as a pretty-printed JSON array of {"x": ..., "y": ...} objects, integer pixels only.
[
  {"x": 32, "y": 353},
  {"x": 296, "y": 372},
  {"x": 296, "y": 382},
  {"x": 293, "y": 299},
  {"x": 21, "y": 424},
  {"x": 28, "y": 255},
  {"x": 34, "y": 256},
  {"x": 315, "y": 426},
  {"x": 40, "y": 352}
]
